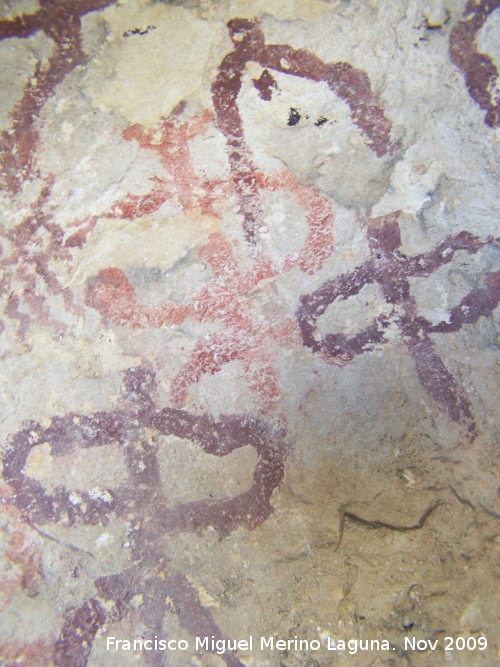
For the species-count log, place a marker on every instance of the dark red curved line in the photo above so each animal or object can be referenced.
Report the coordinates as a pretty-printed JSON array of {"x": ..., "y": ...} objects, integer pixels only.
[
  {"x": 350, "y": 84},
  {"x": 60, "y": 21}
]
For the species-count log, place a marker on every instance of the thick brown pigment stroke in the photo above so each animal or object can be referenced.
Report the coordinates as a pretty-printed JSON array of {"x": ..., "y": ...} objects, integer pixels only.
[
  {"x": 391, "y": 269},
  {"x": 60, "y": 20},
  {"x": 480, "y": 72},
  {"x": 350, "y": 84},
  {"x": 140, "y": 500}
]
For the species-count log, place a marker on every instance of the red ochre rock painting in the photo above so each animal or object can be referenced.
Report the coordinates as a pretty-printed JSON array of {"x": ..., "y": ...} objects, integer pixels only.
[
  {"x": 29, "y": 274},
  {"x": 350, "y": 84},
  {"x": 31, "y": 246},
  {"x": 21, "y": 551},
  {"x": 480, "y": 72},
  {"x": 391, "y": 269},
  {"x": 61, "y": 22},
  {"x": 225, "y": 298},
  {"x": 142, "y": 502}
]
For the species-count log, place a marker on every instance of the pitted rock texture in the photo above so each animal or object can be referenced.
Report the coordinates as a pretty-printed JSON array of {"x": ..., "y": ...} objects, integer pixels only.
[{"x": 250, "y": 277}]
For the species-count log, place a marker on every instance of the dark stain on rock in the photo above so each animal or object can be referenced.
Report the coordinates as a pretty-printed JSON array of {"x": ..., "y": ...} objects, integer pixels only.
[
  {"x": 138, "y": 31},
  {"x": 479, "y": 70},
  {"x": 391, "y": 270},
  {"x": 293, "y": 116}
]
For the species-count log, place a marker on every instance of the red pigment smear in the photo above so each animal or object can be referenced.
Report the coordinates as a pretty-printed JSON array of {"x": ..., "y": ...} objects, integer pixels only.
[
  {"x": 140, "y": 501},
  {"x": 24, "y": 569},
  {"x": 391, "y": 270},
  {"x": 225, "y": 300},
  {"x": 480, "y": 72},
  {"x": 27, "y": 273},
  {"x": 61, "y": 22},
  {"x": 350, "y": 84}
]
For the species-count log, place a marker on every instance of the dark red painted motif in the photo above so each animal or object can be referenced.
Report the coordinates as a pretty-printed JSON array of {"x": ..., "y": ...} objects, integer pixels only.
[
  {"x": 350, "y": 84},
  {"x": 391, "y": 269},
  {"x": 225, "y": 299},
  {"x": 61, "y": 21},
  {"x": 480, "y": 72},
  {"x": 31, "y": 247},
  {"x": 141, "y": 501},
  {"x": 38, "y": 653},
  {"x": 30, "y": 277}
]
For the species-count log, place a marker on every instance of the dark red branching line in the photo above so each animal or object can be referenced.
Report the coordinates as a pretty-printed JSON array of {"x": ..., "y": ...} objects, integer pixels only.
[
  {"x": 61, "y": 22},
  {"x": 390, "y": 269},
  {"x": 480, "y": 72}
]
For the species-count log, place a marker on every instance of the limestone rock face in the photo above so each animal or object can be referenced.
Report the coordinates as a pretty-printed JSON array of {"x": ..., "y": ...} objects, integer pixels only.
[{"x": 250, "y": 277}]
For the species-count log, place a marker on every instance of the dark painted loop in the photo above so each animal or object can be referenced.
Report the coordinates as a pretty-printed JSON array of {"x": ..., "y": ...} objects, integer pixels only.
[
  {"x": 141, "y": 500},
  {"x": 391, "y": 269},
  {"x": 350, "y": 84}
]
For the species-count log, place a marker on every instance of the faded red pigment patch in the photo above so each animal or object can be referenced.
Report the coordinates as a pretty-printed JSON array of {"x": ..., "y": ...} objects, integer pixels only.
[
  {"x": 350, "y": 84},
  {"x": 20, "y": 550},
  {"x": 31, "y": 249},
  {"x": 391, "y": 269},
  {"x": 39, "y": 653},
  {"x": 225, "y": 300},
  {"x": 141, "y": 501},
  {"x": 61, "y": 22},
  {"x": 171, "y": 142},
  {"x": 480, "y": 72}
]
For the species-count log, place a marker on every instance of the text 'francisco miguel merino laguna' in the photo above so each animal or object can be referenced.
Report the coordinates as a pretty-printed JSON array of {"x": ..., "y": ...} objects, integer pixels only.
[{"x": 221, "y": 646}]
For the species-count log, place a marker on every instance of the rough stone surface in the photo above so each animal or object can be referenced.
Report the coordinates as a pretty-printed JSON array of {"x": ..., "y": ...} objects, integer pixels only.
[{"x": 250, "y": 277}]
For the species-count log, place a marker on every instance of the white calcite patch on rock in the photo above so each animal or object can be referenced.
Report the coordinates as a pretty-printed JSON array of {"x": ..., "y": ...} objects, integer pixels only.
[{"x": 153, "y": 58}]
